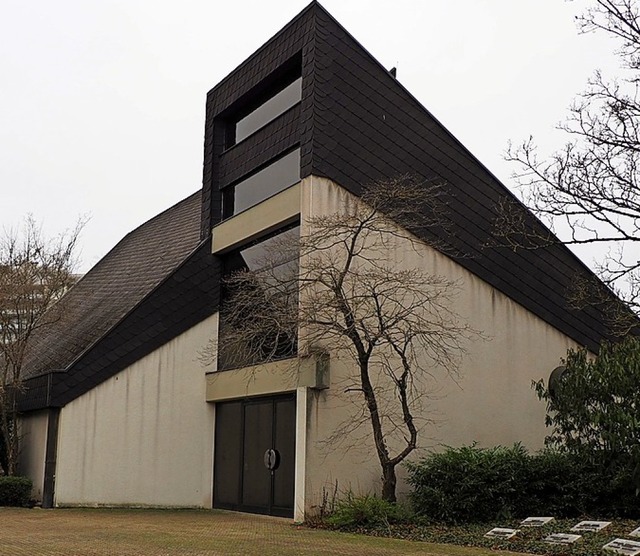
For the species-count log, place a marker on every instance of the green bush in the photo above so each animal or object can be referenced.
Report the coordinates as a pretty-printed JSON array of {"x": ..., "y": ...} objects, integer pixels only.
[
  {"x": 593, "y": 409},
  {"x": 469, "y": 484},
  {"x": 361, "y": 511},
  {"x": 15, "y": 491}
]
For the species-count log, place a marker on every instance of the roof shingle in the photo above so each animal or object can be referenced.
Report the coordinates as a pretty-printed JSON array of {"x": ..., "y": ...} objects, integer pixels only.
[{"x": 115, "y": 285}]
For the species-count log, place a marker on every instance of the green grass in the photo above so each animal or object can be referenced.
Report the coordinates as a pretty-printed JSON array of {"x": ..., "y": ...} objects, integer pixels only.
[{"x": 101, "y": 532}]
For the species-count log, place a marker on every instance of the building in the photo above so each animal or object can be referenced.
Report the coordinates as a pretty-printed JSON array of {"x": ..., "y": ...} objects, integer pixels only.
[
  {"x": 27, "y": 290},
  {"x": 119, "y": 409}
]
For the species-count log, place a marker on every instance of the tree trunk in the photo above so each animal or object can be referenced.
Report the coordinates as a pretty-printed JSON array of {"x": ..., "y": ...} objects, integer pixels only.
[
  {"x": 389, "y": 483},
  {"x": 9, "y": 432},
  {"x": 388, "y": 468},
  {"x": 13, "y": 451}
]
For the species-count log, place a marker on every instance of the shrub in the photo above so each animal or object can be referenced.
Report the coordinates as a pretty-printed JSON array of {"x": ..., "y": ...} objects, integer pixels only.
[
  {"x": 593, "y": 407},
  {"x": 558, "y": 485},
  {"x": 15, "y": 491},
  {"x": 368, "y": 510},
  {"x": 469, "y": 484}
]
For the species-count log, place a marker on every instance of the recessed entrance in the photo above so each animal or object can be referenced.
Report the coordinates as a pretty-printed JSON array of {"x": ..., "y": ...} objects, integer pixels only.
[{"x": 255, "y": 455}]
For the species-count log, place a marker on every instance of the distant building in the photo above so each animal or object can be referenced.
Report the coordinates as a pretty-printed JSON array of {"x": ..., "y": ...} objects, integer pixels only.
[
  {"x": 23, "y": 299},
  {"x": 119, "y": 409}
]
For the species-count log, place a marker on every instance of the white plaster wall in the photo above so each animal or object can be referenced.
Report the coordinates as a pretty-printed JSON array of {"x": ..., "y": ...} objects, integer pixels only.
[
  {"x": 145, "y": 436},
  {"x": 33, "y": 444},
  {"x": 492, "y": 401}
]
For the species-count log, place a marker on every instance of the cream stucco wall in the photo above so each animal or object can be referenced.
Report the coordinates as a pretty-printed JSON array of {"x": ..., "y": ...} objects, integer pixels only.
[
  {"x": 491, "y": 402},
  {"x": 33, "y": 444},
  {"x": 145, "y": 436}
]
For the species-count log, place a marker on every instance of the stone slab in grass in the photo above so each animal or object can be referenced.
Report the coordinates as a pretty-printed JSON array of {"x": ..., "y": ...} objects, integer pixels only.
[
  {"x": 590, "y": 526},
  {"x": 561, "y": 538},
  {"x": 501, "y": 533},
  {"x": 536, "y": 521},
  {"x": 635, "y": 533},
  {"x": 623, "y": 546}
]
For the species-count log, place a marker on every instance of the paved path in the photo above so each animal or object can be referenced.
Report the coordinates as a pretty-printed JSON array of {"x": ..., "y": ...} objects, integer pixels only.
[{"x": 100, "y": 532}]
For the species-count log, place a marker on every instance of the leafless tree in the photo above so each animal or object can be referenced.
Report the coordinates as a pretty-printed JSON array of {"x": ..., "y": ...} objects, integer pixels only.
[
  {"x": 338, "y": 288},
  {"x": 591, "y": 186},
  {"x": 34, "y": 274}
]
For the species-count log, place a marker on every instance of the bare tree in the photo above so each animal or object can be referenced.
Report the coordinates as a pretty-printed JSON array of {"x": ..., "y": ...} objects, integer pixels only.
[
  {"x": 338, "y": 288},
  {"x": 34, "y": 274},
  {"x": 591, "y": 187}
]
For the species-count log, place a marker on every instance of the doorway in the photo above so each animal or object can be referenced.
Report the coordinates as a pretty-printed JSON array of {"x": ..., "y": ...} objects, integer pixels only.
[{"x": 254, "y": 464}]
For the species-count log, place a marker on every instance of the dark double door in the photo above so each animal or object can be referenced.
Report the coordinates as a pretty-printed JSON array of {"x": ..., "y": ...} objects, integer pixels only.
[{"x": 255, "y": 455}]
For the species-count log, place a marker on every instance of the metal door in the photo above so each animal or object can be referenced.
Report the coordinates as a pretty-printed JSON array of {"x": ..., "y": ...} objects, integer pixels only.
[{"x": 255, "y": 455}]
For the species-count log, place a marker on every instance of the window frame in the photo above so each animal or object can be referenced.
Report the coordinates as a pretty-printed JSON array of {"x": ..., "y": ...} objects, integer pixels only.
[
  {"x": 228, "y": 269},
  {"x": 268, "y": 89},
  {"x": 228, "y": 193},
  {"x": 231, "y": 131}
]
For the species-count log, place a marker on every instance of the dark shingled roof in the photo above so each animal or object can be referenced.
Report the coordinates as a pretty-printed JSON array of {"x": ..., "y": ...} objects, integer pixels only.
[{"x": 116, "y": 284}]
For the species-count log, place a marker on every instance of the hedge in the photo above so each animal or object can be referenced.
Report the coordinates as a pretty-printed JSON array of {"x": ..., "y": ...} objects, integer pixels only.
[
  {"x": 469, "y": 484},
  {"x": 15, "y": 491}
]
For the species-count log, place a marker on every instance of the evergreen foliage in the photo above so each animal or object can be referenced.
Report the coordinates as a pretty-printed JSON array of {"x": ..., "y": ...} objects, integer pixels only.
[
  {"x": 473, "y": 485},
  {"x": 15, "y": 491},
  {"x": 593, "y": 409}
]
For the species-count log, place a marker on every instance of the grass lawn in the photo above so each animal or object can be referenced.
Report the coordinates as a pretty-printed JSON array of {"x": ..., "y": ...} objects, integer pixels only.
[{"x": 99, "y": 532}]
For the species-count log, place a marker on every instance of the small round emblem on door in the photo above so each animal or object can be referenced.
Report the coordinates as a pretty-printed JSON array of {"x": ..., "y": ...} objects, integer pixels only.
[{"x": 271, "y": 459}]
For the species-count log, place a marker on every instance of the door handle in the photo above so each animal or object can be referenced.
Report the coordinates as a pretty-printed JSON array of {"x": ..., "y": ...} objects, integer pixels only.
[{"x": 271, "y": 459}]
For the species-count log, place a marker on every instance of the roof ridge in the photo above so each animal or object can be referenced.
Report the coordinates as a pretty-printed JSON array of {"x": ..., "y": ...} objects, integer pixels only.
[
  {"x": 137, "y": 228},
  {"x": 133, "y": 308}
]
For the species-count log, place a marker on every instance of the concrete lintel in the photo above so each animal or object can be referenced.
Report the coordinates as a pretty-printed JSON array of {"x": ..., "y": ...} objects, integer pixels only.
[
  {"x": 266, "y": 216},
  {"x": 269, "y": 378}
]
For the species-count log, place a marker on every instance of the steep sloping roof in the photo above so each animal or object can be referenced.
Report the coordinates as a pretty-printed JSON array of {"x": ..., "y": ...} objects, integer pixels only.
[
  {"x": 115, "y": 285},
  {"x": 356, "y": 124},
  {"x": 368, "y": 126}
]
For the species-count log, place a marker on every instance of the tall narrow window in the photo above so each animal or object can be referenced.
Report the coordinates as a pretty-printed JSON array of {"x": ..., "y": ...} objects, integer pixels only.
[
  {"x": 272, "y": 179},
  {"x": 258, "y": 318}
]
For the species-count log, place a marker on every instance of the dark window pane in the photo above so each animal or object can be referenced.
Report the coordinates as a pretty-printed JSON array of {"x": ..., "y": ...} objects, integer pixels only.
[
  {"x": 260, "y": 186},
  {"x": 248, "y": 333},
  {"x": 227, "y": 202},
  {"x": 269, "y": 110},
  {"x": 276, "y": 250}
]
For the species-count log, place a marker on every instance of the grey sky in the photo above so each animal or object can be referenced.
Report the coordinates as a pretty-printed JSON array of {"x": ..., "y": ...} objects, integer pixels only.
[{"x": 102, "y": 102}]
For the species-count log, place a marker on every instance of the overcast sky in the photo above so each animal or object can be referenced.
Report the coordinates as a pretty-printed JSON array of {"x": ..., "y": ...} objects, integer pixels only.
[{"x": 102, "y": 102}]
